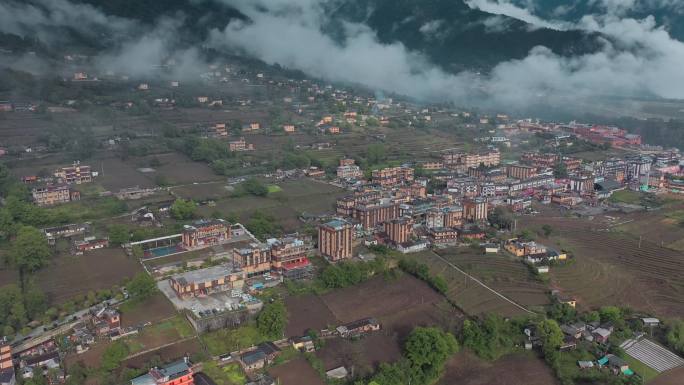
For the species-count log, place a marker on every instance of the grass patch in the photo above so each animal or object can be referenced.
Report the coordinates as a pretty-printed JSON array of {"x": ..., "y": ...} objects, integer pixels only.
[
  {"x": 677, "y": 215},
  {"x": 626, "y": 196},
  {"x": 180, "y": 324},
  {"x": 228, "y": 375},
  {"x": 272, "y": 188},
  {"x": 229, "y": 340},
  {"x": 640, "y": 368}
]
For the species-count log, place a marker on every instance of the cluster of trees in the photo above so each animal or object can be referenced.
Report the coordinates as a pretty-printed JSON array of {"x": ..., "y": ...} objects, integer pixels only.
[
  {"x": 675, "y": 335},
  {"x": 254, "y": 187},
  {"x": 141, "y": 287},
  {"x": 272, "y": 320},
  {"x": 491, "y": 338},
  {"x": 183, "y": 209},
  {"x": 18, "y": 307},
  {"x": 501, "y": 217},
  {"x": 346, "y": 273},
  {"x": 263, "y": 225},
  {"x": 426, "y": 351},
  {"x": 422, "y": 272}
]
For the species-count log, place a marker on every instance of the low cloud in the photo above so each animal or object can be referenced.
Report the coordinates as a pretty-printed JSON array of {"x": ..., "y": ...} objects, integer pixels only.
[{"x": 641, "y": 59}]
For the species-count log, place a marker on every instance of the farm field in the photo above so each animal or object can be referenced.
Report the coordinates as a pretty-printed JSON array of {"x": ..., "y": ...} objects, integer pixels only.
[
  {"x": 671, "y": 377},
  {"x": 474, "y": 299},
  {"x": 296, "y": 197},
  {"x": 296, "y": 372},
  {"x": 306, "y": 312},
  {"x": 400, "y": 305},
  {"x": 153, "y": 309},
  {"x": 612, "y": 267},
  {"x": 166, "y": 354},
  {"x": 363, "y": 355},
  {"x": 69, "y": 276},
  {"x": 503, "y": 273},
  {"x": 378, "y": 298},
  {"x": 515, "y": 369},
  {"x": 177, "y": 168}
]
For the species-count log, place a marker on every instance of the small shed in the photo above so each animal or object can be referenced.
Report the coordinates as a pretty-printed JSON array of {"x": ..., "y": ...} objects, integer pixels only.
[
  {"x": 651, "y": 322},
  {"x": 337, "y": 373}
]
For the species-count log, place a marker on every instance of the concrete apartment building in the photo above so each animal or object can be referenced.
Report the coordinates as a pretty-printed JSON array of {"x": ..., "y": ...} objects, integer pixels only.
[
  {"x": 399, "y": 230},
  {"x": 335, "y": 240},
  {"x": 475, "y": 209},
  {"x": 205, "y": 233},
  {"x": 76, "y": 174},
  {"x": 519, "y": 171},
  {"x": 176, "y": 373},
  {"x": 54, "y": 194},
  {"x": 214, "y": 279},
  {"x": 370, "y": 214},
  {"x": 348, "y": 170},
  {"x": 392, "y": 176},
  {"x": 7, "y": 375},
  {"x": 469, "y": 160},
  {"x": 289, "y": 257},
  {"x": 253, "y": 260}
]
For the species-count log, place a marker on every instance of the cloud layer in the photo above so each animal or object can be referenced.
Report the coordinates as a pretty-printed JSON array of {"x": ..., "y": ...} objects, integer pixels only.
[{"x": 637, "y": 58}]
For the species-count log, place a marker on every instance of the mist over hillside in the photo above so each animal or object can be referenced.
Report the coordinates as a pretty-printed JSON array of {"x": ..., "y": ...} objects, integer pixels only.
[{"x": 494, "y": 54}]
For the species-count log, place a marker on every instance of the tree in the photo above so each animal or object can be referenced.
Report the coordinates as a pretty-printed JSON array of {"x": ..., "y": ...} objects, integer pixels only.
[
  {"x": 119, "y": 234},
  {"x": 141, "y": 286},
  {"x": 547, "y": 230},
  {"x": 183, "y": 209},
  {"x": 112, "y": 357},
  {"x": 429, "y": 348},
  {"x": 272, "y": 320},
  {"x": 552, "y": 338},
  {"x": 376, "y": 153},
  {"x": 610, "y": 314},
  {"x": 255, "y": 187},
  {"x": 675, "y": 335},
  {"x": 29, "y": 251},
  {"x": 501, "y": 217},
  {"x": 560, "y": 170}
]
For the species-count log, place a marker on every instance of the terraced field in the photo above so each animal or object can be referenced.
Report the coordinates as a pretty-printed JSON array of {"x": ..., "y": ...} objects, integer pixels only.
[
  {"x": 507, "y": 276},
  {"x": 611, "y": 268}
]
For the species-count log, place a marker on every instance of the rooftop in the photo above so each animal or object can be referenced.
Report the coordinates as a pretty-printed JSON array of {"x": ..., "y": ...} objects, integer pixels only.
[
  {"x": 337, "y": 224},
  {"x": 203, "y": 275}
]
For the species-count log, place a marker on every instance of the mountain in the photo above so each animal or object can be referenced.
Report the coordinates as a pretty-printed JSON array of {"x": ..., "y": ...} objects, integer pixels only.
[
  {"x": 669, "y": 15},
  {"x": 448, "y": 32},
  {"x": 457, "y": 37}
]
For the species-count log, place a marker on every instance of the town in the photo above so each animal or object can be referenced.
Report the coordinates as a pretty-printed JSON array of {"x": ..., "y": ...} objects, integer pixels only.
[{"x": 270, "y": 229}]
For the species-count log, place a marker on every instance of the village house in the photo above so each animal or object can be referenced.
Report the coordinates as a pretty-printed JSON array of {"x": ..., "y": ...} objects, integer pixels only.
[
  {"x": 176, "y": 373},
  {"x": 54, "y": 194},
  {"x": 240, "y": 145},
  {"x": 289, "y": 128},
  {"x": 253, "y": 126},
  {"x": 303, "y": 344},
  {"x": 522, "y": 249},
  {"x": 358, "y": 328},
  {"x": 89, "y": 244}
]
